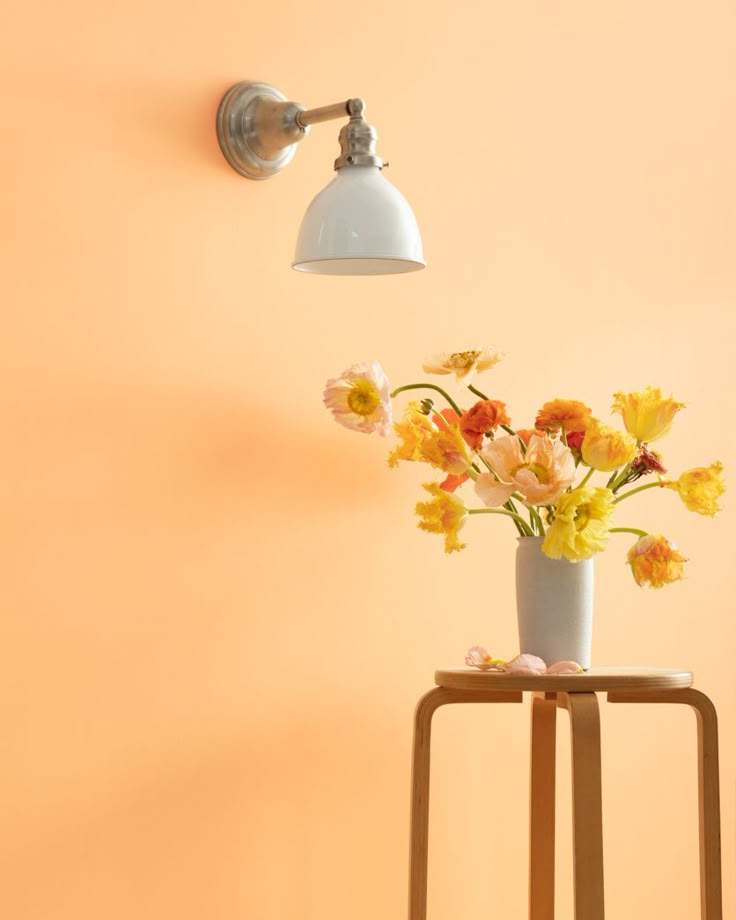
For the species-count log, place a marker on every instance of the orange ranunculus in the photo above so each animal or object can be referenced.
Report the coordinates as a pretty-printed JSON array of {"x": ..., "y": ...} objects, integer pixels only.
[
  {"x": 655, "y": 561},
  {"x": 566, "y": 414},
  {"x": 486, "y": 415}
]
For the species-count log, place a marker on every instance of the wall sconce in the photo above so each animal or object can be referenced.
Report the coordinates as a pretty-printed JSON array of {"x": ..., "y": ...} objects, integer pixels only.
[{"x": 359, "y": 224}]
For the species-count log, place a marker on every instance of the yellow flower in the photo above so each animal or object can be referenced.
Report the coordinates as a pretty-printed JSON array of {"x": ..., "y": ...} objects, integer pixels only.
[
  {"x": 647, "y": 415},
  {"x": 441, "y": 445},
  {"x": 567, "y": 414},
  {"x": 701, "y": 488},
  {"x": 443, "y": 514},
  {"x": 580, "y": 528},
  {"x": 655, "y": 561},
  {"x": 463, "y": 364},
  {"x": 606, "y": 449}
]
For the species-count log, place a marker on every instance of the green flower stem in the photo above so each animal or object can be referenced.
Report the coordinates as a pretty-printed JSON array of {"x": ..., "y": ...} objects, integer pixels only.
[
  {"x": 519, "y": 520},
  {"x": 585, "y": 478},
  {"x": 639, "y": 533},
  {"x": 537, "y": 520},
  {"x": 510, "y": 506},
  {"x": 428, "y": 386},
  {"x": 477, "y": 392},
  {"x": 647, "y": 485}
]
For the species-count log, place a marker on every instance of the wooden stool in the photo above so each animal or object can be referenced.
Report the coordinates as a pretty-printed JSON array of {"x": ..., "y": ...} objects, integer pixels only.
[{"x": 577, "y": 694}]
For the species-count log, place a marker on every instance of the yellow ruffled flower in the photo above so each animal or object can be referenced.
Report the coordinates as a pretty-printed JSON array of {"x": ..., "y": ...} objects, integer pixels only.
[
  {"x": 655, "y": 561},
  {"x": 442, "y": 446},
  {"x": 647, "y": 415},
  {"x": 700, "y": 488},
  {"x": 606, "y": 449},
  {"x": 443, "y": 514},
  {"x": 581, "y": 525}
]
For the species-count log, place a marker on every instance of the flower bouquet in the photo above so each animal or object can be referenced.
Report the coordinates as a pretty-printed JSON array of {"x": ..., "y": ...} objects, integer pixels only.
[{"x": 540, "y": 478}]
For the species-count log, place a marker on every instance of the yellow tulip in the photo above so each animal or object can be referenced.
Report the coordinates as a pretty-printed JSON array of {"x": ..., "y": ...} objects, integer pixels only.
[
  {"x": 655, "y": 561},
  {"x": 443, "y": 514},
  {"x": 605, "y": 448},
  {"x": 647, "y": 415},
  {"x": 700, "y": 488}
]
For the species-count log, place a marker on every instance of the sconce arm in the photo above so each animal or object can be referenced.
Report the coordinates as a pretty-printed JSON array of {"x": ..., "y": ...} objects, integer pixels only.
[{"x": 258, "y": 129}]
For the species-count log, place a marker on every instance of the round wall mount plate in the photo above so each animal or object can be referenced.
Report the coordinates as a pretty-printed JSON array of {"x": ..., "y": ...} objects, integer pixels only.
[{"x": 236, "y": 129}]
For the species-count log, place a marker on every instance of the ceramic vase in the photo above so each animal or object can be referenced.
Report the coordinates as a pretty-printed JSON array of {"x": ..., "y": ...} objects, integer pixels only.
[{"x": 554, "y": 601}]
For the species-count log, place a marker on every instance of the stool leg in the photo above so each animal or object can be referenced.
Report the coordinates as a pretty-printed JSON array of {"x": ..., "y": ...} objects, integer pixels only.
[
  {"x": 419, "y": 842},
  {"x": 711, "y": 898},
  {"x": 585, "y": 735},
  {"x": 542, "y": 808}
]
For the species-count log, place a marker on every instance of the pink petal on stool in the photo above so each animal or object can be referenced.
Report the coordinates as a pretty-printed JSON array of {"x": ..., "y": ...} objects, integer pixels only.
[
  {"x": 478, "y": 657},
  {"x": 564, "y": 667},
  {"x": 526, "y": 666}
]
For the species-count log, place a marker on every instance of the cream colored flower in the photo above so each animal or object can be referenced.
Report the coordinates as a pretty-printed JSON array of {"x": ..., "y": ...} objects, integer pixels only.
[
  {"x": 360, "y": 398},
  {"x": 541, "y": 474},
  {"x": 463, "y": 364}
]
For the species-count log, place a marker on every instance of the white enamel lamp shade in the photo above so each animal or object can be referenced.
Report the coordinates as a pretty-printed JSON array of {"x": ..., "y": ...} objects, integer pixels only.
[{"x": 359, "y": 224}]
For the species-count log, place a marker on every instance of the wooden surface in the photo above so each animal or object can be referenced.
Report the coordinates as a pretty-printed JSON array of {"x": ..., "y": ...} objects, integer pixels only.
[
  {"x": 542, "y": 807},
  {"x": 596, "y": 679},
  {"x": 419, "y": 834},
  {"x": 587, "y": 816},
  {"x": 711, "y": 897}
]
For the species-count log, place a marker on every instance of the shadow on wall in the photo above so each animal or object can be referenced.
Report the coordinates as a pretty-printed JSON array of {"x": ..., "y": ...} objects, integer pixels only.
[{"x": 216, "y": 828}]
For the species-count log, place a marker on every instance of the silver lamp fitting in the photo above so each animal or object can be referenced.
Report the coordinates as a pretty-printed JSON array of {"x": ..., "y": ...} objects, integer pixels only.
[
  {"x": 359, "y": 224},
  {"x": 258, "y": 129}
]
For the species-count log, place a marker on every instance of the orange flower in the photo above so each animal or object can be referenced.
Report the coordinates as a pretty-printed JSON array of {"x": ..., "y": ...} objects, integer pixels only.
[
  {"x": 655, "y": 561},
  {"x": 567, "y": 414},
  {"x": 454, "y": 481},
  {"x": 484, "y": 416}
]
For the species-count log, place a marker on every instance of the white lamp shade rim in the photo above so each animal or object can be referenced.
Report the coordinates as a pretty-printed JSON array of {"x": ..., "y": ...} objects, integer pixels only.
[{"x": 353, "y": 265}]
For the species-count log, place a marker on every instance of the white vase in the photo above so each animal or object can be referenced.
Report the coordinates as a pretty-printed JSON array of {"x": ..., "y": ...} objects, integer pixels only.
[{"x": 554, "y": 602}]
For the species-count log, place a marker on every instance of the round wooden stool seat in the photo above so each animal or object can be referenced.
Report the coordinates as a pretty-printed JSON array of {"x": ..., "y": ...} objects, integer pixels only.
[{"x": 592, "y": 681}]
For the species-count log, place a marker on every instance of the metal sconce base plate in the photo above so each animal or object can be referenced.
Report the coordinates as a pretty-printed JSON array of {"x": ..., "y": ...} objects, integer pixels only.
[{"x": 237, "y": 120}]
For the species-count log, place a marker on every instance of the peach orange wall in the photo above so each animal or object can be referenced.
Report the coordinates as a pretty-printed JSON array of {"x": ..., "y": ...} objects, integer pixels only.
[{"x": 217, "y": 610}]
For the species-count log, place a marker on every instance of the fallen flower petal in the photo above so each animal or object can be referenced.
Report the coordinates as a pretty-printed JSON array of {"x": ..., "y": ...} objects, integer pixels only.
[
  {"x": 564, "y": 667},
  {"x": 525, "y": 666},
  {"x": 478, "y": 657}
]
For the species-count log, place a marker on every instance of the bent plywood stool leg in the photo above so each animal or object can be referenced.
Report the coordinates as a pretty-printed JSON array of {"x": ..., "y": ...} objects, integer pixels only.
[
  {"x": 419, "y": 840},
  {"x": 542, "y": 807},
  {"x": 585, "y": 735},
  {"x": 711, "y": 907}
]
